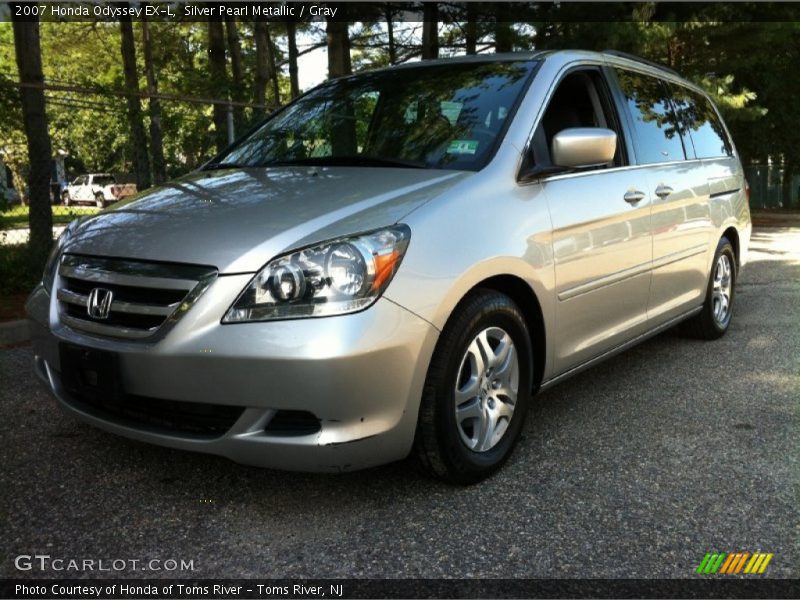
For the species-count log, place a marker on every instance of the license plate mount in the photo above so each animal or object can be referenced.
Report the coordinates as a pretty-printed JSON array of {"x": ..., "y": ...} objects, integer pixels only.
[{"x": 88, "y": 373}]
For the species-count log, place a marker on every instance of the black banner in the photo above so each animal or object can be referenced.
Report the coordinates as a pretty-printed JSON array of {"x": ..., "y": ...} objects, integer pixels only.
[
  {"x": 447, "y": 12},
  {"x": 701, "y": 587}
]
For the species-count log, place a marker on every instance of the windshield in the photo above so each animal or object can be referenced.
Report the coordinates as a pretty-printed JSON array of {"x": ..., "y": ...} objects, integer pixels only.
[{"x": 440, "y": 116}]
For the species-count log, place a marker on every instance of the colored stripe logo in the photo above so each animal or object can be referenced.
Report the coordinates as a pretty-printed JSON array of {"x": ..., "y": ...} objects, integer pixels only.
[{"x": 734, "y": 563}]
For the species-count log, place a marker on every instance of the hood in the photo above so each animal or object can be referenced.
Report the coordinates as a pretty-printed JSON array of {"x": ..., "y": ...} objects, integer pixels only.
[{"x": 237, "y": 220}]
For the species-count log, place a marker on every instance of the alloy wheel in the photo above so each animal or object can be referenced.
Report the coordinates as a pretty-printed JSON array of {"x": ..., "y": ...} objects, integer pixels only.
[
  {"x": 486, "y": 389},
  {"x": 721, "y": 291}
]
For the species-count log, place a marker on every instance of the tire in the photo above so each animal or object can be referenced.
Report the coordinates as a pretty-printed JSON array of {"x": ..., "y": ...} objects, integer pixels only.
[
  {"x": 99, "y": 201},
  {"x": 457, "y": 448},
  {"x": 65, "y": 198},
  {"x": 715, "y": 318}
]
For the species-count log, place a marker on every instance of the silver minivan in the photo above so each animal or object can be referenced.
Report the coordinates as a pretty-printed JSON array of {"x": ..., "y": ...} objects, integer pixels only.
[{"x": 397, "y": 261}]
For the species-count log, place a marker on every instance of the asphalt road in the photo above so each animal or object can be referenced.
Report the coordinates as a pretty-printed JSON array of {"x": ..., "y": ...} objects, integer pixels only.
[{"x": 636, "y": 468}]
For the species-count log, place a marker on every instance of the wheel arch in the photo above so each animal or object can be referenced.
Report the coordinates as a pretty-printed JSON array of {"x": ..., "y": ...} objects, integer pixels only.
[
  {"x": 732, "y": 234},
  {"x": 525, "y": 298}
]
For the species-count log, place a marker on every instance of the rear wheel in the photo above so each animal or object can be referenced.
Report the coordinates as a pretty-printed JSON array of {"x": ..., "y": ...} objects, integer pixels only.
[
  {"x": 477, "y": 390},
  {"x": 65, "y": 198},
  {"x": 714, "y": 319},
  {"x": 99, "y": 200}
]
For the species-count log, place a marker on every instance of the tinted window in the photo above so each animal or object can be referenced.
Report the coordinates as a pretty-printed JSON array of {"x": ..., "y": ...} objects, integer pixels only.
[
  {"x": 447, "y": 117},
  {"x": 658, "y": 137},
  {"x": 701, "y": 124}
]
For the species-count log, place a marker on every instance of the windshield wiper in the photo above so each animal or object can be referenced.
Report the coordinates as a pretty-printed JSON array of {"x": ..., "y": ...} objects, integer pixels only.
[
  {"x": 347, "y": 161},
  {"x": 223, "y": 165}
]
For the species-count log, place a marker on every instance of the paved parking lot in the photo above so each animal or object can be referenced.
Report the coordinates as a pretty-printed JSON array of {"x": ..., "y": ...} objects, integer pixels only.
[{"x": 636, "y": 468}]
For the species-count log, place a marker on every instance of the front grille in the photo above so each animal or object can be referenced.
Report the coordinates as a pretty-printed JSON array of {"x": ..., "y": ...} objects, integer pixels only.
[
  {"x": 167, "y": 416},
  {"x": 144, "y": 295}
]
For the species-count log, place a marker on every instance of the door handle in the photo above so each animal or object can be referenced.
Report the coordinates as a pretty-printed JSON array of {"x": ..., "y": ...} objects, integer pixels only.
[
  {"x": 633, "y": 196},
  {"x": 662, "y": 191}
]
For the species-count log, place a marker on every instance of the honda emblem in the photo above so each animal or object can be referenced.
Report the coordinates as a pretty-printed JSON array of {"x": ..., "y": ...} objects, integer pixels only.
[{"x": 98, "y": 305}]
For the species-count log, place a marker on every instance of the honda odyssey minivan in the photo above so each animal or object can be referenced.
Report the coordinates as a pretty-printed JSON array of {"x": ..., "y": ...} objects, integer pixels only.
[{"x": 397, "y": 261}]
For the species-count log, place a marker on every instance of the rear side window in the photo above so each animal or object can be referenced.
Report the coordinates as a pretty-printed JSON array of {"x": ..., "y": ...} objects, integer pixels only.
[
  {"x": 658, "y": 137},
  {"x": 701, "y": 124}
]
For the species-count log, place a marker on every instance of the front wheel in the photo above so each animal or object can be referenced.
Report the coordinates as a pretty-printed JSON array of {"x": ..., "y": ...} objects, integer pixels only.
[
  {"x": 65, "y": 198},
  {"x": 99, "y": 201},
  {"x": 715, "y": 317},
  {"x": 477, "y": 390}
]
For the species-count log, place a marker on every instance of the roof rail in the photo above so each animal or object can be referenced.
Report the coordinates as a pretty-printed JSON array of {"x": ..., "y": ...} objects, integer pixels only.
[{"x": 635, "y": 58}]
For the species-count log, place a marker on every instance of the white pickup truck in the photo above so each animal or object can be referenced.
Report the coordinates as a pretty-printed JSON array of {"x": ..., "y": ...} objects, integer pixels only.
[{"x": 99, "y": 188}]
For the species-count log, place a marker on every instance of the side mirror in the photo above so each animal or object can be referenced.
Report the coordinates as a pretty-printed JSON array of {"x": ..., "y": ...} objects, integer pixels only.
[{"x": 583, "y": 147}]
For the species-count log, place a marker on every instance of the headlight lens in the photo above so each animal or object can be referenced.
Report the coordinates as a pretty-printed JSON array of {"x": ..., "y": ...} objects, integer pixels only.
[
  {"x": 337, "y": 277},
  {"x": 51, "y": 265}
]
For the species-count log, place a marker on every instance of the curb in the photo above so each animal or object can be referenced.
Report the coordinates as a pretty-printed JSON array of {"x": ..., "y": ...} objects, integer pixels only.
[
  {"x": 766, "y": 218},
  {"x": 14, "y": 332}
]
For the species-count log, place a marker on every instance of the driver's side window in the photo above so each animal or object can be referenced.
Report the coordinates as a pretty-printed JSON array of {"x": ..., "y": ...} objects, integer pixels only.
[{"x": 580, "y": 100}]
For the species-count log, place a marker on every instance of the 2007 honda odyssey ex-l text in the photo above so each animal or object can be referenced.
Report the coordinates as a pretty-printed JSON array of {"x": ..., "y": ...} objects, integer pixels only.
[{"x": 397, "y": 260}]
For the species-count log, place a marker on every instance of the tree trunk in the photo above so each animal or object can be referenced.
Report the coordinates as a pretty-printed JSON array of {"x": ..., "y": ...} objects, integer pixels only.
[
  {"x": 343, "y": 138},
  {"x": 273, "y": 69},
  {"x": 471, "y": 30},
  {"x": 338, "y": 49},
  {"x": 503, "y": 39},
  {"x": 138, "y": 136},
  {"x": 237, "y": 84},
  {"x": 262, "y": 65},
  {"x": 430, "y": 31},
  {"x": 218, "y": 81},
  {"x": 266, "y": 70},
  {"x": 291, "y": 38},
  {"x": 390, "y": 31},
  {"x": 29, "y": 63},
  {"x": 154, "y": 108}
]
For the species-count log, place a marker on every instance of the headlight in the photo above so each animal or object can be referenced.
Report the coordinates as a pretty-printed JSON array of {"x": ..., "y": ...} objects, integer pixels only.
[
  {"x": 334, "y": 278},
  {"x": 51, "y": 265}
]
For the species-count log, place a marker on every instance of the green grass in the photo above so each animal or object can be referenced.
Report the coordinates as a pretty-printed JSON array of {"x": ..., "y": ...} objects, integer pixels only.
[{"x": 17, "y": 216}]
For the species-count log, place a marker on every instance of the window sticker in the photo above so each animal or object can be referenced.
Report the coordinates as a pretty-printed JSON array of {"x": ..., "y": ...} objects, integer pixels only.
[
  {"x": 451, "y": 110},
  {"x": 462, "y": 147}
]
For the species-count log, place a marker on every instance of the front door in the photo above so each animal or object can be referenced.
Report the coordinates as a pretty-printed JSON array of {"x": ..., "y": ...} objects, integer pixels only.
[
  {"x": 602, "y": 242},
  {"x": 602, "y": 249}
]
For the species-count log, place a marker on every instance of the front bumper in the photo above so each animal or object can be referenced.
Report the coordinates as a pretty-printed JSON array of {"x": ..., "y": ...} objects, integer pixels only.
[{"x": 361, "y": 375}]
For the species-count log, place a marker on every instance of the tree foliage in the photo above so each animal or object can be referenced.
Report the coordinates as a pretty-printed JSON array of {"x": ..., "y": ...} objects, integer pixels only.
[{"x": 744, "y": 63}]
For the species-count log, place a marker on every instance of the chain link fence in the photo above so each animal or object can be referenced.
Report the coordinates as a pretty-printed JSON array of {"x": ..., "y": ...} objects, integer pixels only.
[
  {"x": 93, "y": 166},
  {"x": 14, "y": 214},
  {"x": 20, "y": 267}
]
